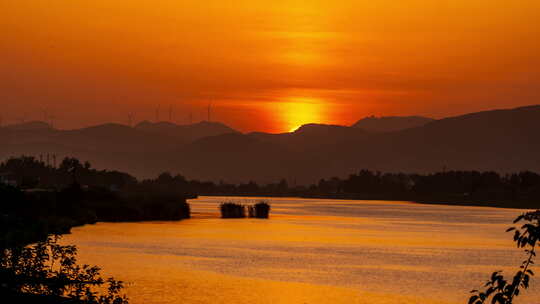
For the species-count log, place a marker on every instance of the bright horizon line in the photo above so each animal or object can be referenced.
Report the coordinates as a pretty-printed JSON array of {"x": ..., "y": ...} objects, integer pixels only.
[{"x": 291, "y": 130}]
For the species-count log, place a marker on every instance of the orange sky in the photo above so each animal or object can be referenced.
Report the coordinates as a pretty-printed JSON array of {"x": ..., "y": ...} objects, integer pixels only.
[{"x": 266, "y": 65}]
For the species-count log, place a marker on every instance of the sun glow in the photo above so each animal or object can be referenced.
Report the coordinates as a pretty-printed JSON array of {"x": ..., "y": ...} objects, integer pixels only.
[
  {"x": 300, "y": 111},
  {"x": 264, "y": 61}
]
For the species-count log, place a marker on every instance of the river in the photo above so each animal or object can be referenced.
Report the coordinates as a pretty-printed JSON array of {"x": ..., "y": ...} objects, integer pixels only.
[{"x": 309, "y": 251}]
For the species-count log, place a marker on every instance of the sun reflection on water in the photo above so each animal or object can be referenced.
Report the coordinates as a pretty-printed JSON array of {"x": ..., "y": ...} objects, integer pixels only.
[{"x": 310, "y": 251}]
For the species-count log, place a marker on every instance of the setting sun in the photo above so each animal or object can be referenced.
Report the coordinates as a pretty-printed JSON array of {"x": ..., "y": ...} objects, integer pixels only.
[
  {"x": 288, "y": 151},
  {"x": 300, "y": 111},
  {"x": 388, "y": 58}
]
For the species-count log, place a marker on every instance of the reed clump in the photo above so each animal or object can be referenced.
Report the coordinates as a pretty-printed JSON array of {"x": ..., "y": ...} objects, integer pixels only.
[
  {"x": 232, "y": 210},
  {"x": 236, "y": 210},
  {"x": 259, "y": 210}
]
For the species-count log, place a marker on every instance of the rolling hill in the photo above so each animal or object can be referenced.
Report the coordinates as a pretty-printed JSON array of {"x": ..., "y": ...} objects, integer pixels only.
[
  {"x": 391, "y": 123},
  {"x": 500, "y": 140}
]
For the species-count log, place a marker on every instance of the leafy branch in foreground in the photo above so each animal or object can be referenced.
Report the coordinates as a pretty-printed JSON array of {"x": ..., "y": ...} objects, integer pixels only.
[
  {"x": 500, "y": 290},
  {"x": 49, "y": 270}
]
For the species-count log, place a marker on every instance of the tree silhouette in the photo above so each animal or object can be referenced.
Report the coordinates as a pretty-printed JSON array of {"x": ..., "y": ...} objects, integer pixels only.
[
  {"x": 499, "y": 289},
  {"x": 48, "y": 272}
]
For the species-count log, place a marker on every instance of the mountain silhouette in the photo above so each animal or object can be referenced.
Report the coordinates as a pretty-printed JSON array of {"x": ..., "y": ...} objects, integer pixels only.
[
  {"x": 29, "y": 126},
  {"x": 136, "y": 150},
  {"x": 500, "y": 140},
  {"x": 391, "y": 123},
  {"x": 185, "y": 133},
  {"x": 312, "y": 135}
]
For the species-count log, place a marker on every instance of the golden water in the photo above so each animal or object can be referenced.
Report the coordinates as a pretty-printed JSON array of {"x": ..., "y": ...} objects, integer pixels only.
[{"x": 310, "y": 251}]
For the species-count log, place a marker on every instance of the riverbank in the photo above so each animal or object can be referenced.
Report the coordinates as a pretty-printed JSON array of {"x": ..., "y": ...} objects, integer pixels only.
[{"x": 30, "y": 216}]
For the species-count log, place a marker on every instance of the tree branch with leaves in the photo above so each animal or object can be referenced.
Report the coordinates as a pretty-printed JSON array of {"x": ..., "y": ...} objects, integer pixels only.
[
  {"x": 500, "y": 290},
  {"x": 48, "y": 269}
]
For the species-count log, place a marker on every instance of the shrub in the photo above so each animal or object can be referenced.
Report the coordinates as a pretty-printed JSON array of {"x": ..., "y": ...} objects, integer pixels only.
[
  {"x": 260, "y": 210},
  {"x": 232, "y": 210}
]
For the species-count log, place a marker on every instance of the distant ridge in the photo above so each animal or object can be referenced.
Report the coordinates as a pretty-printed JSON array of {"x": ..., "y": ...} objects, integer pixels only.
[
  {"x": 500, "y": 140},
  {"x": 185, "y": 133},
  {"x": 29, "y": 126},
  {"x": 317, "y": 128},
  {"x": 310, "y": 136},
  {"x": 156, "y": 126},
  {"x": 391, "y": 123}
]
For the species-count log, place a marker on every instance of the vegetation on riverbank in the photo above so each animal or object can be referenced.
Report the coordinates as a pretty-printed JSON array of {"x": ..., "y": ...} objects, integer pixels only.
[
  {"x": 46, "y": 272},
  {"x": 515, "y": 190},
  {"x": 29, "y": 173},
  {"x": 77, "y": 194},
  {"x": 39, "y": 203},
  {"x": 472, "y": 188},
  {"x": 28, "y": 274}
]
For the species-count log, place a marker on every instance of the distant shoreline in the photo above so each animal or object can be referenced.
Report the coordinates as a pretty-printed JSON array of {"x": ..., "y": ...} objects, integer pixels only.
[{"x": 491, "y": 204}]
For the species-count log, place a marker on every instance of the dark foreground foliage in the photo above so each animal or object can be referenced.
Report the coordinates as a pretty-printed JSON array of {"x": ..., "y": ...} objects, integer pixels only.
[
  {"x": 39, "y": 202},
  {"x": 232, "y": 210},
  {"x": 500, "y": 290},
  {"x": 47, "y": 272}
]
